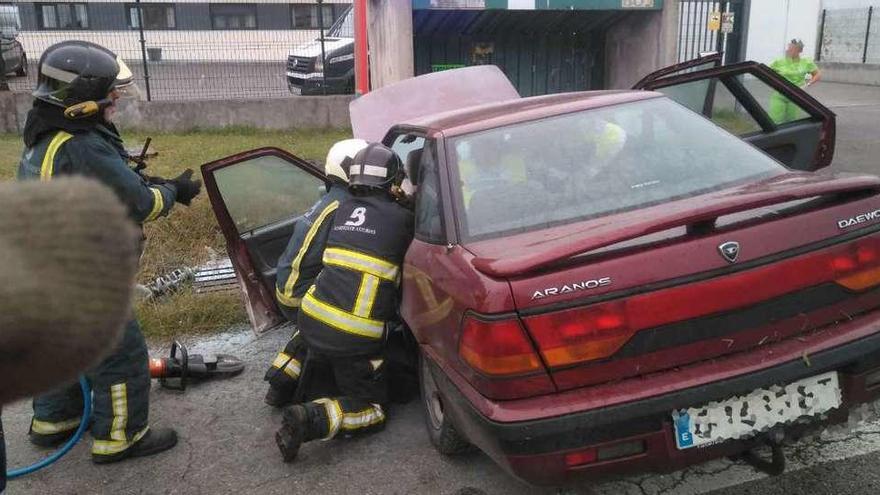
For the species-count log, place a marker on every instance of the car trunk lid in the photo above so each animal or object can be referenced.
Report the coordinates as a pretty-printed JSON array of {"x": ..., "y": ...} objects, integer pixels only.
[{"x": 598, "y": 310}]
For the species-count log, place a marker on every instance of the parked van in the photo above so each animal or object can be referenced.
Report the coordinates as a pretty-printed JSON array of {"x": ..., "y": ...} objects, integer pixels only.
[{"x": 310, "y": 74}]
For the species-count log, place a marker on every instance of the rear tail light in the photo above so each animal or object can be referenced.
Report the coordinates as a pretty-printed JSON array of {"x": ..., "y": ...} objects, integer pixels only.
[
  {"x": 498, "y": 347},
  {"x": 580, "y": 334},
  {"x": 859, "y": 268},
  {"x": 598, "y": 331}
]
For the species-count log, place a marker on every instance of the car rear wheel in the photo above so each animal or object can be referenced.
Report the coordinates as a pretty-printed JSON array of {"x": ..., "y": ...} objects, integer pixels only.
[
  {"x": 22, "y": 70},
  {"x": 445, "y": 438}
]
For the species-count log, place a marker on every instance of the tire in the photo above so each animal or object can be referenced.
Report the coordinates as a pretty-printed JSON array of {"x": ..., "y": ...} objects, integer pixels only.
[
  {"x": 443, "y": 434},
  {"x": 22, "y": 70}
]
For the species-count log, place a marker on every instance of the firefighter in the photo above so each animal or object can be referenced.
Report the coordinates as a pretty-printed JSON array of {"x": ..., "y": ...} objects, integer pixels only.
[
  {"x": 343, "y": 316},
  {"x": 69, "y": 132},
  {"x": 301, "y": 262}
]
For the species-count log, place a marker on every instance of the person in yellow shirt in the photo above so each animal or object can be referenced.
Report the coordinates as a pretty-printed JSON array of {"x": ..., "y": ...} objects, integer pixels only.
[
  {"x": 486, "y": 163},
  {"x": 799, "y": 71}
]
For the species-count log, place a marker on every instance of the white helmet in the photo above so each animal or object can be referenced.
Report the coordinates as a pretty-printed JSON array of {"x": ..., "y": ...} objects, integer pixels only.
[{"x": 341, "y": 152}]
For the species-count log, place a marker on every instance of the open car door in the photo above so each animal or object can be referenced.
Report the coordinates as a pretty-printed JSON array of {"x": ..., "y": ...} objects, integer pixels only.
[
  {"x": 753, "y": 102},
  {"x": 257, "y": 197}
]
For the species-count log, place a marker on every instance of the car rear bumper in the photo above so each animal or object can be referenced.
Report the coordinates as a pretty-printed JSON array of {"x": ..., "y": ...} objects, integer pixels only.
[{"x": 535, "y": 450}]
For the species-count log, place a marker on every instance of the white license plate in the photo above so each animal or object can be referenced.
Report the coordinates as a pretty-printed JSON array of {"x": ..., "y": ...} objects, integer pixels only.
[
  {"x": 748, "y": 415},
  {"x": 296, "y": 90}
]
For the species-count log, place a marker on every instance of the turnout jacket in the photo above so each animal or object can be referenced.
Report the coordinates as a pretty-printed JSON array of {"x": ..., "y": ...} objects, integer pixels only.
[
  {"x": 345, "y": 311},
  {"x": 95, "y": 151},
  {"x": 300, "y": 262}
]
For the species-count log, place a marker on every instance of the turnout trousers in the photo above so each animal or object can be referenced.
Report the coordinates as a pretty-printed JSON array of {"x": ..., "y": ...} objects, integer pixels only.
[
  {"x": 360, "y": 382},
  {"x": 120, "y": 391}
]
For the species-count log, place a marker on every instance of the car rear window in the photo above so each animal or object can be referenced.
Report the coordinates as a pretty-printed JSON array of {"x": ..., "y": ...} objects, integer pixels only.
[{"x": 592, "y": 163}]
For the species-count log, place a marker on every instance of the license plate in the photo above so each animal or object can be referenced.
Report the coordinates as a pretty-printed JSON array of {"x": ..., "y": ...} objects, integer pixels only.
[
  {"x": 746, "y": 416},
  {"x": 296, "y": 90}
]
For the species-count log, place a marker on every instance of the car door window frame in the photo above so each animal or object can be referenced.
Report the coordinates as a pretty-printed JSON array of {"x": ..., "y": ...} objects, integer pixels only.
[
  {"x": 728, "y": 73},
  {"x": 261, "y": 305},
  {"x": 227, "y": 223},
  {"x": 448, "y": 221}
]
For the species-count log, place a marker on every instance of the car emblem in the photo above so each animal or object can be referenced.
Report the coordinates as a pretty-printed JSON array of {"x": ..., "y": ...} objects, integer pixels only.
[{"x": 729, "y": 251}]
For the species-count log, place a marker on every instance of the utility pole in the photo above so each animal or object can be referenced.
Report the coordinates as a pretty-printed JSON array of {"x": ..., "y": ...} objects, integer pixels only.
[{"x": 361, "y": 55}]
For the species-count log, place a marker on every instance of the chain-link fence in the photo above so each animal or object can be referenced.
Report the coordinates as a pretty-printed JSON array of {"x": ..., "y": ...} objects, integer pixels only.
[
  {"x": 849, "y": 35},
  {"x": 181, "y": 50}
]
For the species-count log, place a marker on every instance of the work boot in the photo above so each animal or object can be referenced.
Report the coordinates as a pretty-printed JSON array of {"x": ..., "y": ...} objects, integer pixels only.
[
  {"x": 295, "y": 425},
  {"x": 278, "y": 398},
  {"x": 50, "y": 440},
  {"x": 155, "y": 441}
]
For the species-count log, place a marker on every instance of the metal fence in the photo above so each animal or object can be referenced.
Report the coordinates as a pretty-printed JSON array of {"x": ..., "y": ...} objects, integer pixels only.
[
  {"x": 697, "y": 34},
  {"x": 184, "y": 50},
  {"x": 849, "y": 35}
]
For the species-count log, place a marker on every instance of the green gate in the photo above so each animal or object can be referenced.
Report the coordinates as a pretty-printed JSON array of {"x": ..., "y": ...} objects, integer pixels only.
[{"x": 541, "y": 51}]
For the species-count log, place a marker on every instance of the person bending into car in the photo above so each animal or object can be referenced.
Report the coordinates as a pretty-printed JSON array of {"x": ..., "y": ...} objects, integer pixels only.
[
  {"x": 301, "y": 262},
  {"x": 343, "y": 316},
  {"x": 69, "y": 132}
]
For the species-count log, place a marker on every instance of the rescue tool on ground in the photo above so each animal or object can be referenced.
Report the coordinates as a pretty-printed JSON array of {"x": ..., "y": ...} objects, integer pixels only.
[{"x": 175, "y": 371}]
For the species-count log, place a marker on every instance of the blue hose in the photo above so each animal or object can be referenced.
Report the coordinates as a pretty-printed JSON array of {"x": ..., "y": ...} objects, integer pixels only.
[{"x": 83, "y": 425}]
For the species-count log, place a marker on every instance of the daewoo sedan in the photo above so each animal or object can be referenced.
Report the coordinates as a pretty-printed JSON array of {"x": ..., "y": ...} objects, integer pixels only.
[{"x": 608, "y": 281}]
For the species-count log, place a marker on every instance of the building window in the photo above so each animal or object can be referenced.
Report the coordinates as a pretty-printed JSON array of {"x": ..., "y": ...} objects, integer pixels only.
[
  {"x": 155, "y": 16},
  {"x": 63, "y": 16},
  {"x": 233, "y": 16},
  {"x": 9, "y": 17},
  {"x": 305, "y": 16}
]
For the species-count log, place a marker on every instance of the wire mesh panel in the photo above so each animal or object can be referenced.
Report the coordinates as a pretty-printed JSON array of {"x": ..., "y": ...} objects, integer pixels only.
[
  {"x": 872, "y": 52},
  {"x": 843, "y": 36},
  {"x": 185, "y": 50}
]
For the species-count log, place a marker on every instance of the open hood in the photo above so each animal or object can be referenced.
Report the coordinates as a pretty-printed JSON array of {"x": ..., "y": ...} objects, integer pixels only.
[
  {"x": 561, "y": 243},
  {"x": 373, "y": 114}
]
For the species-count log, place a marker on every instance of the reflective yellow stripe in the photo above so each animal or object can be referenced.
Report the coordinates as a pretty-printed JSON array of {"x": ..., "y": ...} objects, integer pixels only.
[
  {"x": 110, "y": 447},
  {"x": 47, "y": 168},
  {"x": 334, "y": 416},
  {"x": 50, "y": 428},
  {"x": 339, "y": 319},
  {"x": 290, "y": 302},
  {"x": 119, "y": 402},
  {"x": 158, "y": 205},
  {"x": 361, "y": 262},
  {"x": 366, "y": 296},
  {"x": 307, "y": 242},
  {"x": 363, "y": 419},
  {"x": 291, "y": 366}
]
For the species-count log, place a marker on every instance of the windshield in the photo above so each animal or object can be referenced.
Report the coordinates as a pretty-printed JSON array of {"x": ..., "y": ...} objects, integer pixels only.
[
  {"x": 592, "y": 163},
  {"x": 344, "y": 26}
]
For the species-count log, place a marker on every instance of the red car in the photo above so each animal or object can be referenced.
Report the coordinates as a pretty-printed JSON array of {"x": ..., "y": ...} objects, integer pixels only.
[{"x": 608, "y": 281}]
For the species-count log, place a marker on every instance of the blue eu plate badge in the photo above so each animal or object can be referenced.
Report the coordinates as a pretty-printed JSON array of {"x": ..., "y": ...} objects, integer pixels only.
[{"x": 683, "y": 436}]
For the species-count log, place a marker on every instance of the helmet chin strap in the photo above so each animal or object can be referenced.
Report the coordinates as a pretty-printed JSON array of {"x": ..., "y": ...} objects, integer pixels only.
[{"x": 87, "y": 108}]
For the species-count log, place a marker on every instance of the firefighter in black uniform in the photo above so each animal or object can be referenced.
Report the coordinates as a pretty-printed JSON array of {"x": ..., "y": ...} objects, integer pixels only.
[
  {"x": 343, "y": 315},
  {"x": 301, "y": 262},
  {"x": 68, "y": 132}
]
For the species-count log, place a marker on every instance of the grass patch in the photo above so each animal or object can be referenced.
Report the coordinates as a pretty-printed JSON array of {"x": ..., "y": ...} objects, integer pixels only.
[{"x": 188, "y": 235}]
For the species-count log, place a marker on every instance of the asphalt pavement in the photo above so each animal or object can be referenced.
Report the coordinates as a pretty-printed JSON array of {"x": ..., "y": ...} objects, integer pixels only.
[{"x": 227, "y": 431}]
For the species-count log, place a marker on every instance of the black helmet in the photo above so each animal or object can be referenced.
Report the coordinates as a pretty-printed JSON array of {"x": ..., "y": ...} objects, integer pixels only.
[
  {"x": 375, "y": 167},
  {"x": 74, "y": 72}
]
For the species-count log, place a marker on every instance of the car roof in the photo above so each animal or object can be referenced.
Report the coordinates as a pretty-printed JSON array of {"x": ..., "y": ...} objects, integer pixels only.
[{"x": 497, "y": 114}]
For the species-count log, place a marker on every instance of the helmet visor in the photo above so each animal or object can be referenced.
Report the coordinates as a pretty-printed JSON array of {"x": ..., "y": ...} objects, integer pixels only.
[{"x": 124, "y": 85}]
